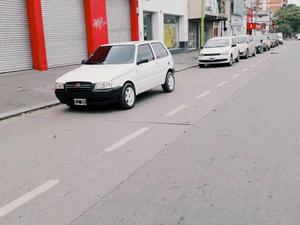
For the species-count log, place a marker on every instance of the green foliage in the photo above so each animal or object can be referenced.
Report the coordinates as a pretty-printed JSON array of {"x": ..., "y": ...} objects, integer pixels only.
[
  {"x": 288, "y": 19},
  {"x": 285, "y": 28}
]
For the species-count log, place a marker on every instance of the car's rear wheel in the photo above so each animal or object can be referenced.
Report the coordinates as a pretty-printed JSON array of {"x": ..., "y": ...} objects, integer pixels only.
[
  {"x": 254, "y": 53},
  {"x": 128, "y": 96},
  {"x": 169, "y": 84}
]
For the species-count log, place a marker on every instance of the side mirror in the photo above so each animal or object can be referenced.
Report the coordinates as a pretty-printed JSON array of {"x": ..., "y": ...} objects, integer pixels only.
[
  {"x": 142, "y": 61},
  {"x": 83, "y": 61}
]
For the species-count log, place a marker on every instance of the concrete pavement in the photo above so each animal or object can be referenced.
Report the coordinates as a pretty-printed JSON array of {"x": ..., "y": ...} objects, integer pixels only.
[
  {"x": 30, "y": 90},
  {"x": 200, "y": 144}
]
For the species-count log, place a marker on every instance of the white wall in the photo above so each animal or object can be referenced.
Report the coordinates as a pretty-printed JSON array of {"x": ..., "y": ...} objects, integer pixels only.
[{"x": 159, "y": 8}]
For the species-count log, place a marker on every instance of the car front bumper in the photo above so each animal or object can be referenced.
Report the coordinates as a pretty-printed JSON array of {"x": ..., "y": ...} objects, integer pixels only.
[
  {"x": 93, "y": 97},
  {"x": 214, "y": 59}
]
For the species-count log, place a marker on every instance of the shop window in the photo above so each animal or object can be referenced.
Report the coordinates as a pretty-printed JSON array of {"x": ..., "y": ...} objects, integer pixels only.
[
  {"x": 171, "y": 31},
  {"x": 148, "y": 26}
]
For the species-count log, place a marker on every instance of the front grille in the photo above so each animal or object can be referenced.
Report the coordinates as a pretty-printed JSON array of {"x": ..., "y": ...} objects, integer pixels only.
[
  {"x": 212, "y": 54},
  {"x": 78, "y": 87}
]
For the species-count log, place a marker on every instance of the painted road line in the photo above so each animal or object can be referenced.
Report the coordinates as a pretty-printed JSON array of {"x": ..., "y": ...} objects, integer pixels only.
[
  {"x": 235, "y": 76},
  {"x": 222, "y": 84},
  {"x": 245, "y": 70},
  {"x": 125, "y": 140},
  {"x": 27, "y": 197},
  {"x": 174, "y": 111},
  {"x": 203, "y": 94}
]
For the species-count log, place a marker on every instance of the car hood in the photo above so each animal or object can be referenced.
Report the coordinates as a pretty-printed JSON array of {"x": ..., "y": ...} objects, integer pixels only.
[
  {"x": 242, "y": 46},
  {"x": 214, "y": 50},
  {"x": 96, "y": 73}
]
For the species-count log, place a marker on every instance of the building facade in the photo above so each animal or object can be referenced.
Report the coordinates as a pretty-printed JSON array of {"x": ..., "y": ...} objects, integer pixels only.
[
  {"x": 164, "y": 21},
  {"x": 215, "y": 22},
  {"x": 42, "y": 34}
]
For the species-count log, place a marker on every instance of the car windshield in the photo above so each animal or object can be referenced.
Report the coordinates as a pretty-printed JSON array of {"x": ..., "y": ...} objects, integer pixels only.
[
  {"x": 216, "y": 43},
  {"x": 241, "y": 39},
  {"x": 115, "y": 54}
]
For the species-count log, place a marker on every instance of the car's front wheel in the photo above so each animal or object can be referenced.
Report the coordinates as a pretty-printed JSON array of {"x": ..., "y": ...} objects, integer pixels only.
[
  {"x": 169, "y": 84},
  {"x": 128, "y": 96},
  {"x": 230, "y": 61},
  {"x": 238, "y": 57}
]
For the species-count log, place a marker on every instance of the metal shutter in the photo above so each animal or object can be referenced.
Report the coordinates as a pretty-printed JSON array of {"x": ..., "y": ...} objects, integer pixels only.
[
  {"x": 118, "y": 17},
  {"x": 65, "y": 33},
  {"x": 15, "y": 50}
]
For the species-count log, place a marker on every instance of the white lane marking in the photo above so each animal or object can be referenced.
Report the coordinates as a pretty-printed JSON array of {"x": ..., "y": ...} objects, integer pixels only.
[
  {"x": 222, "y": 84},
  {"x": 245, "y": 70},
  {"x": 173, "y": 112},
  {"x": 203, "y": 94},
  {"x": 27, "y": 197},
  {"x": 235, "y": 76},
  {"x": 125, "y": 140}
]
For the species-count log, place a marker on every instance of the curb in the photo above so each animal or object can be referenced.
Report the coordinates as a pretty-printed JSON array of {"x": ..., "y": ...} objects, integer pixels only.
[
  {"x": 21, "y": 111},
  {"x": 18, "y": 112},
  {"x": 185, "y": 68}
]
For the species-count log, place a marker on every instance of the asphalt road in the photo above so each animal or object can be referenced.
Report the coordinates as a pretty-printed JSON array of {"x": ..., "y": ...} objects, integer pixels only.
[{"x": 222, "y": 149}]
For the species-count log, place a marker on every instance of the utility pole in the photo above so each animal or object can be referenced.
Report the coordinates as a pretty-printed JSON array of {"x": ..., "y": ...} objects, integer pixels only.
[{"x": 202, "y": 22}]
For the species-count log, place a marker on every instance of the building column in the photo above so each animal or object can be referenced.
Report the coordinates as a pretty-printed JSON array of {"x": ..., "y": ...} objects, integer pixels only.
[
  {"x": 134, "y": 16},
  {"x": 37, "y": 36},
  {"x": 96, "y": 24}
]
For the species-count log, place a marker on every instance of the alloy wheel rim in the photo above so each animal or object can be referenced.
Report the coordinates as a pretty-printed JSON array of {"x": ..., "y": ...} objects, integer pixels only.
[
  {"x": 170, "y": 82},
  {"x": 129, "y": 96}
]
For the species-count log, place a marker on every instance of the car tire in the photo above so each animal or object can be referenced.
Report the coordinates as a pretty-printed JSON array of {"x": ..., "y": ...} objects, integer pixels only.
[
  {"x": 202, "y": 65},
  {"x": 254, "y": 53},
  {"x": 169, "y": 84},
  {"x": 237, "y": 58},
  {"x": 247, "y": 54},
  {"x": 230, "y": 61},
  {"x": 128, "y": 96}
]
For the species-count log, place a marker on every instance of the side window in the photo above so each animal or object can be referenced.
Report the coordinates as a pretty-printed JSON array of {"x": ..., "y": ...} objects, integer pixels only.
[
  {"x": 159, "y": 50},
  {"x": 145, "y": 53}
]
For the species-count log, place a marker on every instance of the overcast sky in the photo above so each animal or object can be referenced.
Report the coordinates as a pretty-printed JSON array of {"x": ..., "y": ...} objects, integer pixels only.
[{"x": 297, "y": 2}]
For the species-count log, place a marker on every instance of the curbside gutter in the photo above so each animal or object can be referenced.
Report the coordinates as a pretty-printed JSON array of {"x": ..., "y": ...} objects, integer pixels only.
[{"x": 21, "y": 111}]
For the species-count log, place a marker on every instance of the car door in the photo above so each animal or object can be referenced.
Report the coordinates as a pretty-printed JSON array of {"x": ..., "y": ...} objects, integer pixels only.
[
  {"x": 147, "y": 68},
  {"x": 234, "y": 48},
  {"x": 162, "y": 60},
  {"x": 252, "y": 45}
]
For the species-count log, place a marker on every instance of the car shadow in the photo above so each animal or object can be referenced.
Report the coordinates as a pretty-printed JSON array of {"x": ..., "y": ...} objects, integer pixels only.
[{"x": 141, "y": 99}]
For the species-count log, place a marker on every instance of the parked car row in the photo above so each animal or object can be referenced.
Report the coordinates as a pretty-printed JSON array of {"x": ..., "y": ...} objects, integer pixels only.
[
  {"x": 120, "y": 72},
  {"x": 227, "y": 50}
]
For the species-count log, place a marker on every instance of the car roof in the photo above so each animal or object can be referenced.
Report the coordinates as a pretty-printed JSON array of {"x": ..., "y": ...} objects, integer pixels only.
[
  {"x": 215, "y": 38},
  {"x": 131, "y": 43}
]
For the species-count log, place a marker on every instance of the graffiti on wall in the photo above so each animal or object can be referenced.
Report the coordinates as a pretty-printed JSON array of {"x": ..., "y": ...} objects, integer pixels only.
[{"x": 99, "y": 23}]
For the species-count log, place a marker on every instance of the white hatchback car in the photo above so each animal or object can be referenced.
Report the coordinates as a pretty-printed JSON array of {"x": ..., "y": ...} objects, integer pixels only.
[
  {"x": 117, "y": 73},
  {"x": 246, "y": 46},
  {"x": 219, "y": 50}
]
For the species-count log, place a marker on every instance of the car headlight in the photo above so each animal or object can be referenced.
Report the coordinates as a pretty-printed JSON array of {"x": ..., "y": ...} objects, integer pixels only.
[
  {"x": 59, "y": 85},
  {"x": 103, "y": 85},
  {"x": 225, "y": 53}
]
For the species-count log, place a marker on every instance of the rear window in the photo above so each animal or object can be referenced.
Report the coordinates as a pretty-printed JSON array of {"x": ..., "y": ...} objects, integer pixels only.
[{"x": 159, "y": 50}]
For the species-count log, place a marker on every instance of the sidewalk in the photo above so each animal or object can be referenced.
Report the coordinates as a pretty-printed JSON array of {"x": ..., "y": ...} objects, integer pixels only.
[{"x": 30, "y": 90}]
